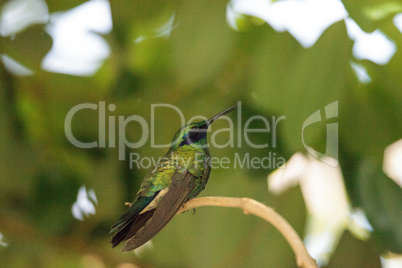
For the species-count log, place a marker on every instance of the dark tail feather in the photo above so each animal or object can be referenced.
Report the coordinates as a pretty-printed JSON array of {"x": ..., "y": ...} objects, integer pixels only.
[
  {"x": 139, "y": 223},
  {"x": 121, "y": 234},
  {"x": 128, "y": 227},
  {"x": 176, "y": 196},
  {"x": 129, "y": 219}
]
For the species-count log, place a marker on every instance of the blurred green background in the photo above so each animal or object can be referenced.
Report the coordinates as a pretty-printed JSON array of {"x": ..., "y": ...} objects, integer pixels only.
[{"x": 57, "y": 201}]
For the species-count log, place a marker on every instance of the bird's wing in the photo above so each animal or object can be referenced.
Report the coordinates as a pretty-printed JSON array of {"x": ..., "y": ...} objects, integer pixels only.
[{"x": 154, "y": 220}]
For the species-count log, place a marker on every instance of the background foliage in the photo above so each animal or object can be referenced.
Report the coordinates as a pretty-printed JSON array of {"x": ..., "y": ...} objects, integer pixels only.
[{"x": 203, "y": 67}]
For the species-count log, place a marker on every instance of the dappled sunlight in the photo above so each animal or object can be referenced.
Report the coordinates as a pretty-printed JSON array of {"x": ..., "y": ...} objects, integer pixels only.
[
  {"x": 361, "y": 73},
  {"x": 15, "y": 67},
  {"x": 77, "y": 48},
  {"x": 392, "y": 162},
  {"x": 127, "y": 265},
  {"x": 321, "y": 244},
  {"x": 16, "y": 15},
  {"x": 392, "y": 261},
  {"x": 305, "y": 20},
  {"x": 382, "y": 9},
  {"x": 85, "y": 204},
  {"x": 282, "y": 179},
  {"x": 148, "y": 246},
  {"x": 326, "y": 201},
  {"x": 398, "y": 21},
  {"x": 93, "y": 90},
  {"x": 164, "y": 31},
  {"x": 375, "y": 46},
  {"x": 2, "y": 243},
  {"x": 92, "y": 261},
  {"x": 359, "y": 218},
  {"x": 96, "y": 261}
]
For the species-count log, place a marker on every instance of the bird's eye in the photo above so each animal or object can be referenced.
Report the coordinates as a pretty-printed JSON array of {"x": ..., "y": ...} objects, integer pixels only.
[{"x": 194, "y": 136}]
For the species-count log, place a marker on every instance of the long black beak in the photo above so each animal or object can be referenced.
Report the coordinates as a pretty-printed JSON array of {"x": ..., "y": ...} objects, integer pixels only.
[{"x": 228, "y": 110}]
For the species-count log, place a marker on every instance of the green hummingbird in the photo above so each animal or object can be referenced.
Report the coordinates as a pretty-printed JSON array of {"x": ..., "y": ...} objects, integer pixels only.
[{"x": 178, "y": 177}]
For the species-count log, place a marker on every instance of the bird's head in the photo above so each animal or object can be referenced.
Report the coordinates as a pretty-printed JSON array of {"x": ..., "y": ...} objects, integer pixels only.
[{"x": 196, "y": 133}]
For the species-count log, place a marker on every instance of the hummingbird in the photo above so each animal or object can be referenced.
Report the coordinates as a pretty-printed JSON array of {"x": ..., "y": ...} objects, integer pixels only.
[{"x": 178, "y": 177}]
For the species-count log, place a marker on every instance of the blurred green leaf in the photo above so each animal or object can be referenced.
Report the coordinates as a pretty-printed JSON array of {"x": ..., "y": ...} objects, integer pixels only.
[
  {"x": 296, "y": 83},
  {"x": 55, "y": 6},
  {"x": 370, "y": 119},
  {"x": 382, "y": 199},
  {"x": 379, "y": 196},
  {"x": 275, "y": 154},
  {"x": 28, "y": 47},
  {"x": 352, "y": 252},
  {"x": 56, "y": 192},
  {"x": 383, "y": 10},
  {"x": 202, "y": 42},
  {"x": 359, "y": 11}
]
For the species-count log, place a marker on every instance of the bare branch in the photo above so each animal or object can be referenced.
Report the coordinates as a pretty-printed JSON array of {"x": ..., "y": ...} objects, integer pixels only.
[{"x": 250, "y": 206}]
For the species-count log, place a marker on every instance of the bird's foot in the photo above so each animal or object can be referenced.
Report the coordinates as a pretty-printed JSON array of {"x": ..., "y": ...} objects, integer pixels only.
[{"x": 128, "y": 204}]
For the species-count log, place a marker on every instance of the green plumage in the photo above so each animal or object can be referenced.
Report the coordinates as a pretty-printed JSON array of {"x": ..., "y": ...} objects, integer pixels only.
[
  {"x": 185, "y": 157},
  {"x": 180, "y": 176}
]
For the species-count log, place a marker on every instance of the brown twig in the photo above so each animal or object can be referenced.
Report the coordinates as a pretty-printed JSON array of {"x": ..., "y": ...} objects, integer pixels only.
[{"x": 250, "y": 206}]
